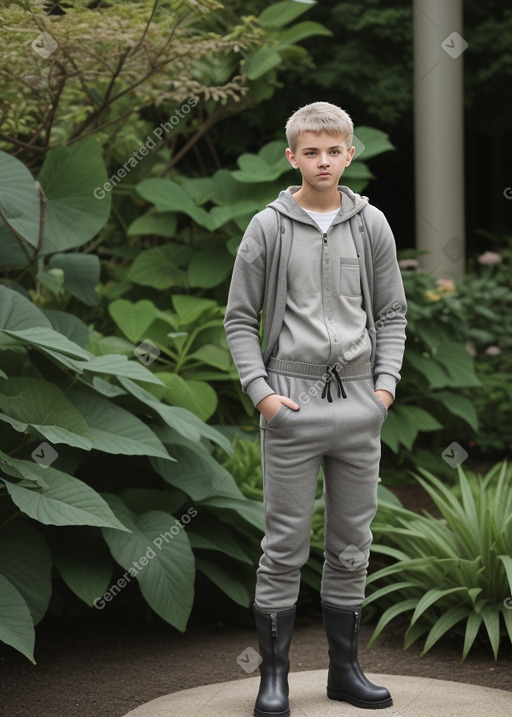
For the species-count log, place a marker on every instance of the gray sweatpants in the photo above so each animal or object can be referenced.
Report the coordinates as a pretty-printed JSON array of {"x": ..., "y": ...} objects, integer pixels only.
[{"x": 344, "y": 438}]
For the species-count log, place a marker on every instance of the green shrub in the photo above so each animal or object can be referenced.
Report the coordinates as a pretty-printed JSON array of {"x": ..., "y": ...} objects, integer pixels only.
[
  {"x": 455, "y": 383},
  {"x": 95, "y": 468},
  {"x": 432, "y": 396},
  {"x": 453, "y": 572}
]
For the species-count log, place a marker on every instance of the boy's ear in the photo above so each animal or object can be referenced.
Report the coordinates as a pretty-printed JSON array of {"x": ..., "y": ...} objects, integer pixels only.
[
  {"x": 350, "y": 155},
  {"x": 291, "y": 158}
]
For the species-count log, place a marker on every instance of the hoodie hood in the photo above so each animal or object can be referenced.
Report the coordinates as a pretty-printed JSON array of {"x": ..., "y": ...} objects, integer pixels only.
[{"x": 285, "y": 204}]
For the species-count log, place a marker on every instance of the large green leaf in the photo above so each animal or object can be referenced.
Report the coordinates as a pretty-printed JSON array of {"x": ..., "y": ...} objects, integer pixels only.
[
  {"x": 209, "y": 267},
  {"x": 16, "y": 626},
  {"x": 133, "y": 319},
  {"x": 196, "y": 473},
  {"x": 157, "y": 553},
  {"x": 83, "y": 561},
  {"x": 19, "y": 199},
  {"x": 301, "y": 31},
  {"x": 184, "y": 422},
  {"x": 190, "y": 308},
  {"x": 65, "y": 500},
  {"x": 370, "y": 142},
  {"x": 169, "y": 196},
  {"x": 30, "y": 402},
  {"x": 197, "y": 396},
  {"x": 11, "y": 252},
  {"x": 260, "y": 62},
  {"x": 213, "y": 356},
  {"x": 403, "y": 425},
  {"x": 113, "y": 429},
  {"x": 23, "y": 469},
  {"x": 459, "y": 406},
  {"x": 69, "y": 177},
  {"x": 17, "y": 312},
  {"x": 163, "y": 225},
  {"x": 458, "y": 363},
  {"x": 269, "y": 164},
  {"x": 69, "y": 326},
  {"x": 159, "y": 267},
  {"x": 433, "y": 371},
  {"x": 116, "y": 365},
  {"x": 81, "y": 275},
  {"x": 280, "y": 14},
  {"x": 47, "y": 340},
  {"x": 26, "y": 562}
]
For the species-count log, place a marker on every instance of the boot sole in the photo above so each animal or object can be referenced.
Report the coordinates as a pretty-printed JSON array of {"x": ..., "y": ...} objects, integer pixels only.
[
  {"x": 258, "y": 713},
  {"x": 344, "y": 697}
]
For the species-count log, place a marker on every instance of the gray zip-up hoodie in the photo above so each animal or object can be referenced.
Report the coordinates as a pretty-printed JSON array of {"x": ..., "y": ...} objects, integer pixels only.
[{"x": 259, "y": 284}]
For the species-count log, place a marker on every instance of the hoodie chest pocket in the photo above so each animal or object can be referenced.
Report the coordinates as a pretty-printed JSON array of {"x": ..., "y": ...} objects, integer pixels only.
[{"x": 350, "y": 280}]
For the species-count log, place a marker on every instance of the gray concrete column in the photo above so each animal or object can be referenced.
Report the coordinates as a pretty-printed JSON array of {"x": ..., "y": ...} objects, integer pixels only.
[{"x": 439, "y": 48}]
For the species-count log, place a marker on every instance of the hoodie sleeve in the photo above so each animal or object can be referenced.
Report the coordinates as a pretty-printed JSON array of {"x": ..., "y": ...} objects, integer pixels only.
[
  {"x": 242, "y": 319},
  {"x": 389, "y": 304}
]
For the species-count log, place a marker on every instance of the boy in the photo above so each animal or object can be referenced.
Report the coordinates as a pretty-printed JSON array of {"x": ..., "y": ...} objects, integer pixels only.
[{"x": 320, "y": 262}]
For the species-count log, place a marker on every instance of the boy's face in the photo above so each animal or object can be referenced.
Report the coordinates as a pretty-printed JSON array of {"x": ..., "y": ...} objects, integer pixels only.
[{"x": 322, "y": 158}]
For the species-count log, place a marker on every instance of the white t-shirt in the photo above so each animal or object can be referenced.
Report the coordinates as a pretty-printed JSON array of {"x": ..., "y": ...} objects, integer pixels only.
[{"x": 323, "y": 219}]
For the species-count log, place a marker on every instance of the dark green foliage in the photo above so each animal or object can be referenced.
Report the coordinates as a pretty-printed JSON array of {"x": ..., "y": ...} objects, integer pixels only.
[{"x": 453, "y": 572}]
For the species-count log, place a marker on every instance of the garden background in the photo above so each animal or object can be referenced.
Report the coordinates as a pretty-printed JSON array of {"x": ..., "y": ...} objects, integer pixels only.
[{"x": 137, "y": 140}]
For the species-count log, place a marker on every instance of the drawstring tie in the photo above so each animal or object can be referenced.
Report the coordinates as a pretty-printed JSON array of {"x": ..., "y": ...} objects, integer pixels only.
[{"x": 332, "y": 374}]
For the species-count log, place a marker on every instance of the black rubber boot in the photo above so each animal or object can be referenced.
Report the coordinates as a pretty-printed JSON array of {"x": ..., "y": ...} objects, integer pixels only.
[
  {"x": 346, "y": 681},
  {"x": 274, "y": 636}
]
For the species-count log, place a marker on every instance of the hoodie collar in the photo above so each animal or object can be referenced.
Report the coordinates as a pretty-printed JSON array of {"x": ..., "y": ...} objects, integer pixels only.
[{"x": 351, "y": 203}]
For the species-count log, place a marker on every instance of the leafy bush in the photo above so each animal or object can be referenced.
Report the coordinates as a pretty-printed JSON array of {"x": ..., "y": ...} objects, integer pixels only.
[
  {"x": 453, "y": 572},
  {"x": 97, "y": 474},
  {"x": 437, "y": 371},
  {"x": 486, "y": 296},
  {"x": 455, "y": 378}
]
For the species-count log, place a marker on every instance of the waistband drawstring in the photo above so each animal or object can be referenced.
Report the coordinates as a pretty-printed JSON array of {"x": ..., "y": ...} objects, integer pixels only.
[{"x": 332, "y": 373}]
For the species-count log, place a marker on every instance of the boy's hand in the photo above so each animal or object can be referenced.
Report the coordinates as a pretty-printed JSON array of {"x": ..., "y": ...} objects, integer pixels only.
[
  {"x": 272, "y": 403},
  {"x": 385, "y": 396}
]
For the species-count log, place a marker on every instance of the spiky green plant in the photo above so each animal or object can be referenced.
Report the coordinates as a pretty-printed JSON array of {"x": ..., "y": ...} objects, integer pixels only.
[{"x": 453, "y": 572}]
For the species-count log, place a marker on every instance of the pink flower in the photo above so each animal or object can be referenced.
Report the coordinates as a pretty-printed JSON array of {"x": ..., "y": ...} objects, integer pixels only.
[
  {"x": 490, "y": 257},
  {"x": 446, "y": 285},
  {"x": 493, "y": 350},
  {"x": 470, "y": 349},
  {"x": 409, "y": 264}
]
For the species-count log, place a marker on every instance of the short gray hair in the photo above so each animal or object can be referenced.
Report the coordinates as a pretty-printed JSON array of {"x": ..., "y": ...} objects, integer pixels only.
[{"x": 319, "y": 117}]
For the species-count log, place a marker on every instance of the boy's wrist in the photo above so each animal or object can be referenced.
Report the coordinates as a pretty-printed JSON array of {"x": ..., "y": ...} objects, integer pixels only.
[
  {"x": 386, "y": 382},
  {"x": 385, "y": 396},
  {"x": 258, "y": 389}
]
